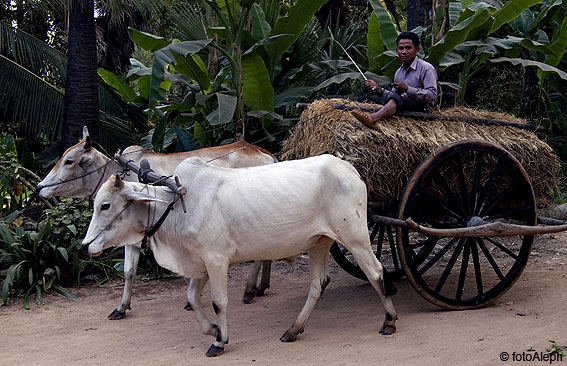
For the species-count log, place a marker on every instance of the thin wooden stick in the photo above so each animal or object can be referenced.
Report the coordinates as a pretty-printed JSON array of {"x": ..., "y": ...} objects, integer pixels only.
[{"x": 432, "y": 116}]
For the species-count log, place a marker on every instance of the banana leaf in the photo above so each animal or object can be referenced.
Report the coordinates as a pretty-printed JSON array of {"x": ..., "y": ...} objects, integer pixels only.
[
  {"x": 258, "y": 91},
  {"x": 540, "y": 65},
  {"x": 388, "y": 32},
  {"x": 299, "y": 15},
  {"x": 261, "y": 28},
  {"x": 457, "y": 35}
]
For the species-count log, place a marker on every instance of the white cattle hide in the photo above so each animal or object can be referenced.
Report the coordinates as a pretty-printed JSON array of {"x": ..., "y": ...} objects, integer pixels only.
[{"x": 234, "y": 215}]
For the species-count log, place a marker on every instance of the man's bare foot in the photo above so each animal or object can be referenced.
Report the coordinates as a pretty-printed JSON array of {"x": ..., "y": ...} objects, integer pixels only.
[{"x": 364, "y": 118}]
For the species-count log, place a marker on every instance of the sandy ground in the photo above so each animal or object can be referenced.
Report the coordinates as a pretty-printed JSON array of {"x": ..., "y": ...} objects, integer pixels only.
[{"x": 343, "y": 329}]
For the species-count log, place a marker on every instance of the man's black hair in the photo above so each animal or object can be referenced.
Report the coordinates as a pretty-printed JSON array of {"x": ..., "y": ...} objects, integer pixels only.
[{"x": 409, "y": 35}]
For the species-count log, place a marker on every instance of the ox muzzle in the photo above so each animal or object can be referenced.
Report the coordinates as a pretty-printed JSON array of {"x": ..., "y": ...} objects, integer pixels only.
[{"x": 85, "y": 247}]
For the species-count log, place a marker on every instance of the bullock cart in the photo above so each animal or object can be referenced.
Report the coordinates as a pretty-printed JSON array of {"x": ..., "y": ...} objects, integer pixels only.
[{"x": 452, "y": 200}]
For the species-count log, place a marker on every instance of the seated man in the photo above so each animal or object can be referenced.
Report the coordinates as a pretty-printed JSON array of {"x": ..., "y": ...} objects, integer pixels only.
[{"x": 415, "y": 84}]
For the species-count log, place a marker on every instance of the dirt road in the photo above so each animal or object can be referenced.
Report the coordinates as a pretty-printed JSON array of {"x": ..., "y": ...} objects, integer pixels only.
[{"x": 343, "y": 329}]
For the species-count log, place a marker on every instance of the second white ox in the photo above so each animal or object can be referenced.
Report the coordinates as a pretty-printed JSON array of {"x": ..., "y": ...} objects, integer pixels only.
[
  {"x": 82, "y": 169},
  {"x": 234, "y": 215}
]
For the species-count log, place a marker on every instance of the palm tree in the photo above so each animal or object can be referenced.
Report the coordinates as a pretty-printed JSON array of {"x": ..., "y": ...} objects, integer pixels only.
[{"x": 81, "y": 104}]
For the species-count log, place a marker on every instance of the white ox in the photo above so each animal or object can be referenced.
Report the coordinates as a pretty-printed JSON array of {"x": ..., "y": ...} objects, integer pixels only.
[
  {"x": 82, "y": 169},
  {"x": 233, "y": 215}
]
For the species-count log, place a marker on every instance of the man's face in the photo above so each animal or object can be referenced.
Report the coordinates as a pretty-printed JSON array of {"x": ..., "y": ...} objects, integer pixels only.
[{"x": 406, "y": 50}]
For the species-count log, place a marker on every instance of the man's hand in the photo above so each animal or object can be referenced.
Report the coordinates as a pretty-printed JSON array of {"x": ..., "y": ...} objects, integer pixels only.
[
  {"x": 400, "y": 86},
  {"x": 371, "y": 86}
]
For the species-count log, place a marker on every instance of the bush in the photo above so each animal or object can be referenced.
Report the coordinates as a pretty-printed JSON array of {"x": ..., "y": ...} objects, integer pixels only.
[
  {"x": 47, "y": 256},
  {"x": 38, "y": 264}
]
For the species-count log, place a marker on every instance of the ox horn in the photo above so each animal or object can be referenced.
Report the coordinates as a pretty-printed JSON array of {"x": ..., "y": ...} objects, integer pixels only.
[
  {"x": 117, "y": 181},
  {"x": 85, "y": 132},
  {"x": 88, "y": 143}
]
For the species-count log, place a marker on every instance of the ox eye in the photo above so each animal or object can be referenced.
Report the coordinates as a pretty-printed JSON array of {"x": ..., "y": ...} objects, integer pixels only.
[
  {"x": 105, "y": 206},
  {"x": 69, "y": 162}
]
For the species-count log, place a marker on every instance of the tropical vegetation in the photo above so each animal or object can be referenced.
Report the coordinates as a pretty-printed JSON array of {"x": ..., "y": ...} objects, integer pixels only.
[{"x": 179, "y": 75}]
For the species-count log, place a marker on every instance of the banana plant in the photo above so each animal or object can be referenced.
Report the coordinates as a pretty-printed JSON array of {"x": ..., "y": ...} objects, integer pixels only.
[
  {"x": 470, "y": 41},
  {"x": 249, "y": 49}
]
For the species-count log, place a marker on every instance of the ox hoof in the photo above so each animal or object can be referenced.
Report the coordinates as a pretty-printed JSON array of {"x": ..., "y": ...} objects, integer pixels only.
[
  {"x": 117, "y": 314},
  {"x": 260, "y": 292},
  {"x": 215, "y": 351},
  {"x": 288, "y": 337},
  {"x": 188, "y": 307},
  {"x": 387, "y": 329},
  {"x": 248, "y": 297}
]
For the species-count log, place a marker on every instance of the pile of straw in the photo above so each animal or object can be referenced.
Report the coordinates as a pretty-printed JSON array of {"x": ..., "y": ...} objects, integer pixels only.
[{"x": 387, "y": 157}]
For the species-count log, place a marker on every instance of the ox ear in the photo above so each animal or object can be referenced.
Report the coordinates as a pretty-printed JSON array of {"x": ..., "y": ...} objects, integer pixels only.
[
  {"x": 88, "y": 143},
  {"x": 85, "y": 132},
  {"x": 141, "y": 197}
]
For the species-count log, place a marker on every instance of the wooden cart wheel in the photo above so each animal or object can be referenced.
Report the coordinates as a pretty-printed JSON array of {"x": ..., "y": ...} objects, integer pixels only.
[
  {"x": 459, "y": 184},
  {"x": 386, "y": 254}
]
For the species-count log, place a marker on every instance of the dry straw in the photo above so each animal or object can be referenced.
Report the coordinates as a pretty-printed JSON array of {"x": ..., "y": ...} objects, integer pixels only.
[{"x": 387, "y": 157}]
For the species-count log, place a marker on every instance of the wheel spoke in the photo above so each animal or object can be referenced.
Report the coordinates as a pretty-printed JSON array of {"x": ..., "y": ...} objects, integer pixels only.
[
  {"x": 476, "y": 186},
  {"x": 508, "y": 213},
  {"x": 455, "y": 215},
  {"x": 380, "y": 242},
  {"x": 374, "y": 231},
  {"x": 392, "y": 248},
  {"x": 465, "y": 198},
  {"x": 499, "y": 198},
  {"x": 424, "y": 242},
  {"x": 490, "y": 258},
  {"x": 463, "y": 274},
  {"x": 477, "y": 271},
  {"x": 424, "y": 252},
  {"x": 490, "y": 184},
  {"x": 449, "y": 267},
  {"x": 438, "y": 256},
  {"x": 503, "y": 248},
  {"x": 452, "y": 198}
]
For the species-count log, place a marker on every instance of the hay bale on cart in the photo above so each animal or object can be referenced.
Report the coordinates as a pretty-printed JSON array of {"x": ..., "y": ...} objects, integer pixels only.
[{"x": 386, "y": 157}]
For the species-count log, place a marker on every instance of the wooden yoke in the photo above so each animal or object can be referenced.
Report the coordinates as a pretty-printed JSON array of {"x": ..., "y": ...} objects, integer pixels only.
[{"x": 150, "y": 175}]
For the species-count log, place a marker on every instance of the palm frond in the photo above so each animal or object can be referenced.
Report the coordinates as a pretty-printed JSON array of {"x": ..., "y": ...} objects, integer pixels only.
[
  {"x": 306, "y": 48},
  {"x": 114, "y": 133},
  {"x": 188, "y": 21},
  {"x": 117, "y": 12},
  {"x": 272, "y": 10},
  {"x": 35, "y": 104},
  {"x": 33, "y": 55},
  {"x": 32, "y": 80}
]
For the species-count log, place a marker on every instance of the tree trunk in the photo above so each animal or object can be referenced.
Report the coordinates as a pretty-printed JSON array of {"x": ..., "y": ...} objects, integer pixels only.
[
  {"x": 80, "y": 104},
  {"x": 331, "y": 13},
  {"x": 530, "y": 94},
  {"x": 417, "y": 13}
]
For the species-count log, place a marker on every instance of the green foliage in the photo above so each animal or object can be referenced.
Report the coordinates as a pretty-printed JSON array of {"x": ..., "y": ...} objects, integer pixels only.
[
  {"x": 73, "y": 213},
  {"x": 32, "y": 79},
  {"x": 12, "y": 192},
  {"x": 46, "y": 257},
  {"x": 501, "y": 94},
  {"x": 210, "y": 87},
  {"x": 38, "y": 263},
  {"x": 557, "y": 349}
]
